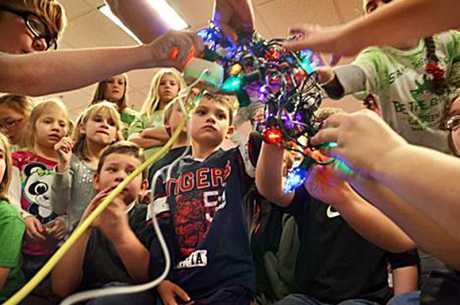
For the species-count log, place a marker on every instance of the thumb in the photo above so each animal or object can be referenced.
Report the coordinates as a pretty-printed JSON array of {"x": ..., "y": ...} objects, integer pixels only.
[{"x": 296, "y": 45}]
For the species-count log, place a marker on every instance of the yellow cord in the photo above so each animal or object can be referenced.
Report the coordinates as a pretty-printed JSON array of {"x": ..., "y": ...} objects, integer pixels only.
[{"x": 46, "y": 269}]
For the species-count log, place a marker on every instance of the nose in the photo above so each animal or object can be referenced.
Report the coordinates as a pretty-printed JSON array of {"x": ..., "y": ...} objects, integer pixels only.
[
  {"x": 120, "y": 176},
  {"x": 211, "y": 119}
]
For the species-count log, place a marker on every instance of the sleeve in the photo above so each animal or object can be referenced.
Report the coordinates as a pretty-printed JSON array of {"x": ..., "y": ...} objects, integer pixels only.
[
  {"x": 374, "y": 69},
  {"x": 136, "y": 126},
  {"x": 405, "y": 259},
  {"x": 61, "y": 190},
  {"x": 349, "y": 79},
  {"x": 15, "y": 192},
  {"x": 297, "y": 206},
  {"x": 11, "y": 232}
]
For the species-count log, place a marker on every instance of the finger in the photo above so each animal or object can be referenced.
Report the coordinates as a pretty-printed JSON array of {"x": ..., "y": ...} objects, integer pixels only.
[
  {"x": 324, "y": 136},
  {"x": 35, "y": 231},
  {"x": 335, "y": 120},
  {"x": 296, "y": 45},
  {"x": 182, "y": 294}
]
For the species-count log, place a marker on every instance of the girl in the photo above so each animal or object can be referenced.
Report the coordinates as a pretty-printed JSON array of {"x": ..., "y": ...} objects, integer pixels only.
[
  {"x": 114, "y": 90},
  {"x": 410, "y": 79},
  {"x": 98, "y": 127},
  {"x": 33, "y": 173},
  {"x": 14, "y": 115},
  {"x": 148, "y": 129},
  {"x": 11, "y": 230}
]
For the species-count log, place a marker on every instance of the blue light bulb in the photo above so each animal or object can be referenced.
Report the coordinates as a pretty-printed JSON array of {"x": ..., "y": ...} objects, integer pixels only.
[{"x": 294, "y": 179}]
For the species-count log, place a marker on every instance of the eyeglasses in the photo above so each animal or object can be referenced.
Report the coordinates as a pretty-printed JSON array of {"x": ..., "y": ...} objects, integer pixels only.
[
  {"x": 372, "y": 5},
  {"x": 453, "y": 122},
  {"x": 36, "y": 26}
]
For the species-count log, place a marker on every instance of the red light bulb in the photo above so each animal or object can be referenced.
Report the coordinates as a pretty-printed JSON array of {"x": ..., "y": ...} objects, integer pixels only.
[{"x": 273, "y": 135}]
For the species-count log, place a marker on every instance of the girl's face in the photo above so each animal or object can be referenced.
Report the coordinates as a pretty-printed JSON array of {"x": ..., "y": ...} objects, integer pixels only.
[
  {"x": 51, "y": 127},
  {"x": 100, "y": 128},
  {"x": 12, "y": 124},
  {"x": 168, "y": 88},
  {"x": 115, "y": 88}
]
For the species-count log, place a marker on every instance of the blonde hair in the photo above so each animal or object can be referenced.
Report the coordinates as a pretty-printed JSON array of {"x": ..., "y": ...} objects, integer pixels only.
[
  {"x": 152, "y": 103},
  {"x": 99, "y": 94},
  {"x": 38, "y": 111},
  {"x": 6, "y": 179},
  {"x": 104, "y": 107},
  {"x": 50, "y": 11}
]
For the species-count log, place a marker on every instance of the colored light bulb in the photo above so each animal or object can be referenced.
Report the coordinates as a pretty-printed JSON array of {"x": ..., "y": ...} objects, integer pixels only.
[
  {"x": 273, "y": 135},
  {"x": 232, "y": 83},
  {"x": 294, "y": 179},
  {"x": 235, "y": 69}
]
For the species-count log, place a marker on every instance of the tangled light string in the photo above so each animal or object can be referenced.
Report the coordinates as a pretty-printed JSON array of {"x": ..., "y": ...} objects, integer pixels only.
[{"x": 284, "y": 81}]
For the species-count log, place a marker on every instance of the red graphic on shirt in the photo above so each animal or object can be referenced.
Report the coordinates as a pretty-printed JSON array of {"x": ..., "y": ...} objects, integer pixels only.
[{"x": 193, "y": 221}]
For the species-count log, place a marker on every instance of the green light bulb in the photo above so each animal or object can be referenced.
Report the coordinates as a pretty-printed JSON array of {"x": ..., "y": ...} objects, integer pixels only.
[{"x": 232, "y": 83}]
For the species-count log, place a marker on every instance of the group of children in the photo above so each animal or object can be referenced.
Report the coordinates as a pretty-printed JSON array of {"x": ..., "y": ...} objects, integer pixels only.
[{"x": 54, "y": 173}]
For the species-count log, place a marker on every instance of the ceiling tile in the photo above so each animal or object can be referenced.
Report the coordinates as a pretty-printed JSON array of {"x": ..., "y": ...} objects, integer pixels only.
[{"x": 75, "y": 9}]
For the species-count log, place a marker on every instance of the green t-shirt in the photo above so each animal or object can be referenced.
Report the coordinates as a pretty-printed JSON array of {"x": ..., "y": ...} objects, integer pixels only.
[
  {"x": 128, "y": 116},
  {"x": 12, "y": 229},
  {"x": 399, "y": 79},
  {"x": 153, "y": 120}
]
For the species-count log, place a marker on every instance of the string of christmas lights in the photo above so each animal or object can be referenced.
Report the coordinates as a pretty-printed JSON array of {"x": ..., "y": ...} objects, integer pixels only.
[{"x": 262, "y": 70}]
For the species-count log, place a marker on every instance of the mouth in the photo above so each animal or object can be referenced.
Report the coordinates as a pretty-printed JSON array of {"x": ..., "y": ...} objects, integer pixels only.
[
  {"x": 209, "y": 128},
  {"x": 103, "y": 132},
  {"x": 54, "y": 137}
]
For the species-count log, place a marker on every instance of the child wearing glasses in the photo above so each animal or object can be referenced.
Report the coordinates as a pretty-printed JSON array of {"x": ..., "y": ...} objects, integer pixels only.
[{"x": 14, "y": 114}]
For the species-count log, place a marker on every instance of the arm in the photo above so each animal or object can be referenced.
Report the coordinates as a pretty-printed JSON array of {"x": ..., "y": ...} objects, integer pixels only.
[
  {"x": 50, "y": 72},
  {"x": 364, "y": 218},
  {"x": 375, "y": 29},
  {"x": 68, "y": 273},
  {"x": 150, "y": 137},
  {"x": 269, "y": 173},
  {"x": 11, "y": 234},
  {"x": 405, "y": 279}
]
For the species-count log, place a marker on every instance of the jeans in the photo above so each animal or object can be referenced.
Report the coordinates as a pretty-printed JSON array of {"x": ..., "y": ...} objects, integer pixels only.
[
  {"x": 140, "y": 298},
  {"x": 302, "y": 299},
  {"x": 410, "y": 298}
]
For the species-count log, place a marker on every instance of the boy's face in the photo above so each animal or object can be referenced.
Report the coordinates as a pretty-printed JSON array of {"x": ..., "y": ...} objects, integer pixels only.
[
  {"x": 210, "y": 122},
  {"x": 19, "y": 33},
  {"x": 115, "y": 168}
]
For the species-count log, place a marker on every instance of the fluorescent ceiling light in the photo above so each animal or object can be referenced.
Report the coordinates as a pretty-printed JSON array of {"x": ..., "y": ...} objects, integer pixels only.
[
  {"x": 105, "y": 10},
  {"x": 169, "y": 16}
]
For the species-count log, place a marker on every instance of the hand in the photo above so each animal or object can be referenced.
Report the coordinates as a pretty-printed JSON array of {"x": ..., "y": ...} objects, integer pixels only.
[
  {"x": 363, "y": 140},
  {"x": 64, "y": 150},
  {"x": 57, "y": 229},
  {"x": 34, "y": 229},
  {"x": 233, "y": 16},
  {"x": 187, "y": 45},
  {"x": 316, "y": 38},
  {"x": 170, "y": 292},
  {"x": 94, "y": 204},
  {"x": 325, "y": 74},
  {"x": 324, "y": 183}
]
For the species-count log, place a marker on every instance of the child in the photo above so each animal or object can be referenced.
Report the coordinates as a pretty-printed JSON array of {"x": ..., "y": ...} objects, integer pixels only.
[
  {"x": 14, "y": 115},
  {"x": 98, "y": 127},
  {"x": 12, "y": 229},
  {"x": 148, "y": 129},
  {"x": 201, "y": 207},
  {"x": 409, "y": 79},
  {"x": 33, "y": 174},
  {"x": 172, "y": 116},
  {"x": 337, "y": 265},
  {"x": 114, "y": 90},
  {"x": 110, "y": 251}
]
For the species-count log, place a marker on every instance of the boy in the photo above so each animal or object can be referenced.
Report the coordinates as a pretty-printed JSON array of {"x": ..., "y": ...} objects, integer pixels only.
[
  {"x": 200, "y": 207},
  {"x": 338, "y": 266},
  {"x": 111, "y": 251}
]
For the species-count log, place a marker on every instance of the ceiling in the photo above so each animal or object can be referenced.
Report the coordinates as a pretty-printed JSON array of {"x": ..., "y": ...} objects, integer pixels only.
[{"x": 89, "y": 28}]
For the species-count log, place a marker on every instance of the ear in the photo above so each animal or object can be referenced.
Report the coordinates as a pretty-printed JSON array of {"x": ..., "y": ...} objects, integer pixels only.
[
  {"x": 144, "y": 185},
  {"x": 230, "y": 131},
  {"x": 96, "y": 185}
]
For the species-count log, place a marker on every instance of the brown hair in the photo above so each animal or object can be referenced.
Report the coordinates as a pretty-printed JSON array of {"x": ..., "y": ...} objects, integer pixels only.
[
  {"x": 5, "y": 183},
  {"x": 230, "y": 101},
  {"x": 19, "y": 103},
  {"x": 38, "y": 111},
  {"x": 50, "y": 11},
  {"x": 124, "y": 148},
  {"x": 80, "y": 147},
  {"x": 99, "y": 94}
]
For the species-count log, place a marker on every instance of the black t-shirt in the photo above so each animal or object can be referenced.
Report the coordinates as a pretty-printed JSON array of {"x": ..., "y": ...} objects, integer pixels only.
[
  {"x": 334, "y": 262},
  {"x": 167, "y": 159},
  {"x": 441, "y": 288},
  {"x": 206, "y": 227},
  {"x": 102, "y": 263}
]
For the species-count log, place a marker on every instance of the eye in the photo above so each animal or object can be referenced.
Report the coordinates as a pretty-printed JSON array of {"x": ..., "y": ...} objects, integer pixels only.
[{"x": 111, "y": 122}]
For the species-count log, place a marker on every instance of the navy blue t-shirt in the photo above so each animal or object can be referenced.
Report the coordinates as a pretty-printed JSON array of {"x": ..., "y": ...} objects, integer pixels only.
[{"x": 200, "y": 209}]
